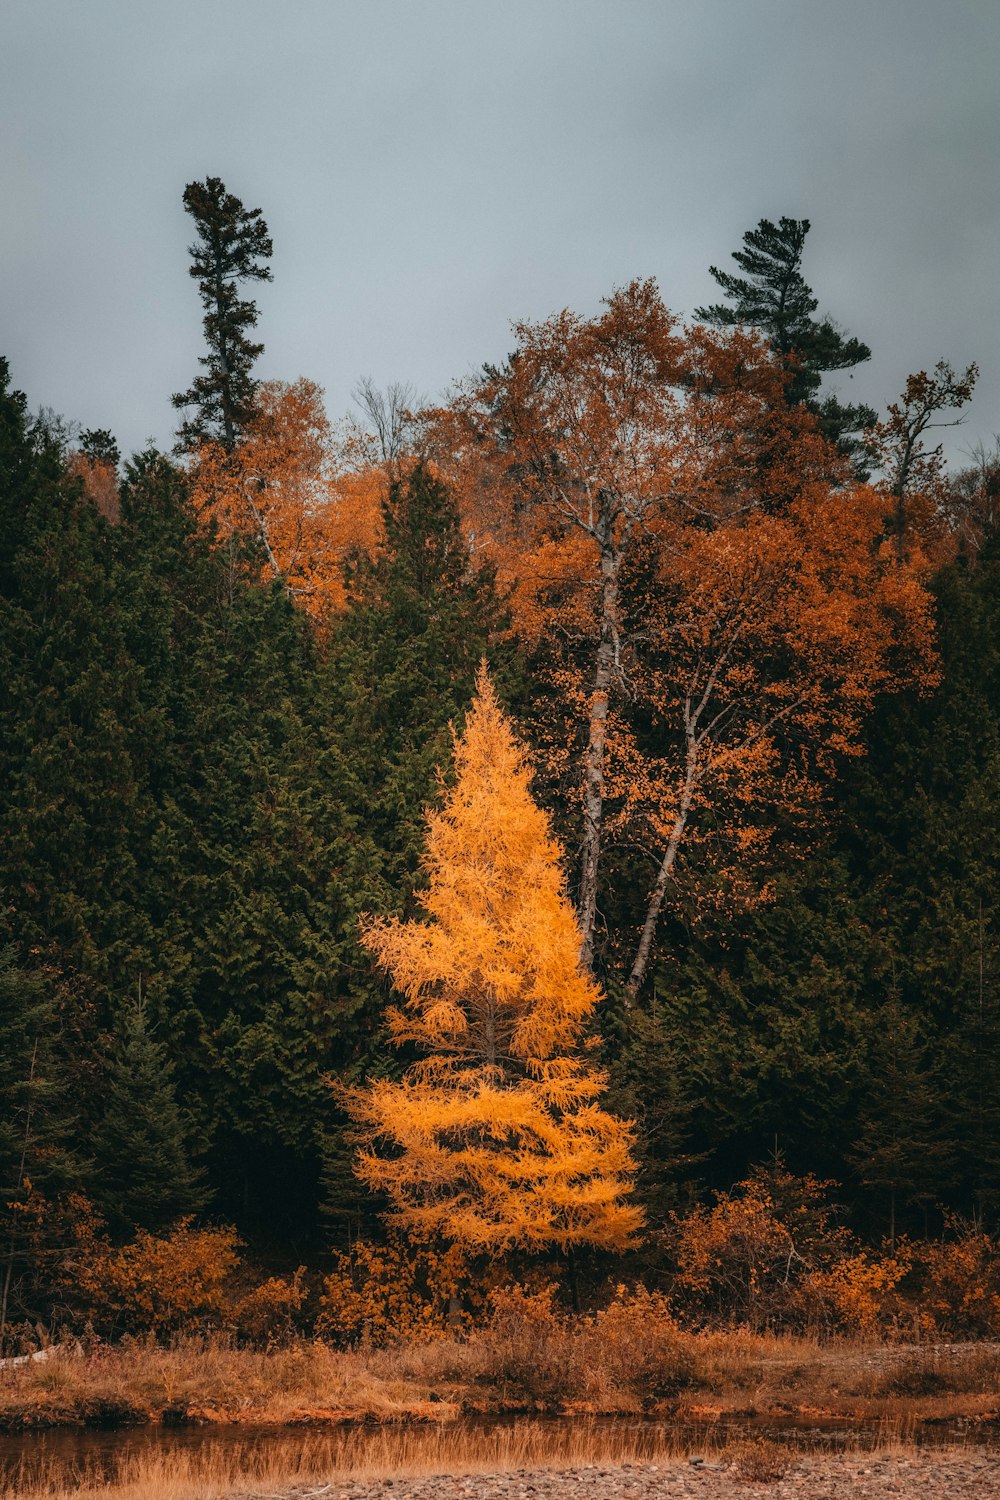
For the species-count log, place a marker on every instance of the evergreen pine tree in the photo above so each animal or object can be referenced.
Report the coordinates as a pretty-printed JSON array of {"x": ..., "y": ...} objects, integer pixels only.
[
  {"x": 900, "y": 1151},
  {"x": 403, "y": 659},
  {"x": 255, "y": 866},
  {"x": 144, "y": 1178},
  {"x": 971, "y": 1069},
  {"x": 233, "y": 246},
  {"x": 773, "y": 296},
  {"x": 923, "y": 821},
  {"x": 649, "y": 1085},
  {"x": 35, "y": 1117},
  {"x": 70, "y": 798}
]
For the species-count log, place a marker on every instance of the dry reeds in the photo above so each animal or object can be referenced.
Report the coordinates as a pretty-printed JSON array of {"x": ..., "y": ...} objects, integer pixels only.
[{"x": 223, "y": 1467}]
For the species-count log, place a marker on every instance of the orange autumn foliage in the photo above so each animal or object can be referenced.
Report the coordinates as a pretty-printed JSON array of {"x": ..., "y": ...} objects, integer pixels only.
[
  {"x": 306, "y": 501},
  {"x": 394, "y": 1293},
  {"x": 709, "y": 594},
  {"x": 100, "y": 484},
  {"x": 495, "y": 1138}
]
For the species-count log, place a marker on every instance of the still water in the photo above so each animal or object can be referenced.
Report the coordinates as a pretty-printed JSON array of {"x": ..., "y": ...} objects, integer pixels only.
[{"x": 80, "y": 1455}]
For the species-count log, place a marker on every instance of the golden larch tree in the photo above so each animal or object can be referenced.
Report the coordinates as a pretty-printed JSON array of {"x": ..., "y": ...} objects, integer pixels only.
[{"x": 495, "y": 1137}]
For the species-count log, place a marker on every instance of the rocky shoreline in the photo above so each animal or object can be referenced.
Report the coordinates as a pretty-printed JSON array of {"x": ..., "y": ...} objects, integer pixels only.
[{"x": 949, "y": 1474}]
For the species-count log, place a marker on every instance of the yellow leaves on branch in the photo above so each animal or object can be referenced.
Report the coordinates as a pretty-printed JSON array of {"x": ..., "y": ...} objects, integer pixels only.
[{"x": 495, "y": 1137}]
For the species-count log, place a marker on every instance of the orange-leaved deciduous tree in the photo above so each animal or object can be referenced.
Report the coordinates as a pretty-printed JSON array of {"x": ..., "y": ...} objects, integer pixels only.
[
  {"x": 495, "y": 1138},
  {"x": 304, "y": 500},
  {"x": 702, "y": 579}
]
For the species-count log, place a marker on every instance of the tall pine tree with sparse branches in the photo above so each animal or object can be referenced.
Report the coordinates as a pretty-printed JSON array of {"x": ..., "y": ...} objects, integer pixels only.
[
  {"x": 233, "y": 246},
  {"x": 772, "y": 295}
]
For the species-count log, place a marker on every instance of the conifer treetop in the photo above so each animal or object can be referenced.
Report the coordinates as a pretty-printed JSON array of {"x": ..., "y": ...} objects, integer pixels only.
[
  {"x": 502, "y": 934},
  {"x": 233, "y": 246}
]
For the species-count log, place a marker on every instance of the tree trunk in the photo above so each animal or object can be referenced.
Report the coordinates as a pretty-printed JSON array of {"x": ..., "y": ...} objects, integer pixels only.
[
  {"x": 593, "y": 764},
  {"x": 663, "y": 878}
]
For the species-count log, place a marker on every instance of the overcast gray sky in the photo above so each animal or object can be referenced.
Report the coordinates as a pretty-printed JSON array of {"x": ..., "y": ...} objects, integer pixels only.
[{"x": 432, "y": 169}]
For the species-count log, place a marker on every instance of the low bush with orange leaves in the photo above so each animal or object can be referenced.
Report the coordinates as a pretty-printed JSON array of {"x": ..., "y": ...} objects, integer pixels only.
[
  {"x": 955, "y": 1283},
  {"x": 752, "y": 1257},
  {"x": 161, "y": 1283},
  {"x": 770, "y": 1255},
  {"x": 270, "y": 1314},
  {"x": 398, "y": 1292},
  {"x": 859, "y": 1294}
]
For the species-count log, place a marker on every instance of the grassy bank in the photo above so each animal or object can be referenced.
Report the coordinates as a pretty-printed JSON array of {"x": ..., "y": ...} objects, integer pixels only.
[{"x": 573, "y": 1367}]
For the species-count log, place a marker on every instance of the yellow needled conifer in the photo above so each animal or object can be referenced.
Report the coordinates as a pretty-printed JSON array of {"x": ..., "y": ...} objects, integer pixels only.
[{"x": 495, "y": 1137}]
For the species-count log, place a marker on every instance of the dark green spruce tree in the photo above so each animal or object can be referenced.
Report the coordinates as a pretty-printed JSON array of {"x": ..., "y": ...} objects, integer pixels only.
[
  {"x": 900, "y": 1151},
  {"x": 233, "y": 246},
  {"x": 773, "y": 296},
  {"x": 144, "y": 1177},
  {"x": 254, "y": 864},
  {"x": 70, "y": 796},
  {"x": 927, "y": 804},
  {"x": 36, "y": 1124},
  {"x": 421, "y": 616}
]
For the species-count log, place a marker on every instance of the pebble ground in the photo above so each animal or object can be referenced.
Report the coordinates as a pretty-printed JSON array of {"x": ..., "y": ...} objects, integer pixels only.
[{"x": 926, "y": 1475}]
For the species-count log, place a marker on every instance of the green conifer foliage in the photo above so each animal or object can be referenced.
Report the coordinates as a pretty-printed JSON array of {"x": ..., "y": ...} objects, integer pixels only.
[
  {"x": 144, "y": 1178},
  {"x": 421, "y": 617},
  {"x": 900, "y": 1150},
  {"x": 69, "y": 795},
  {"x": 233, "y": 246},
  {"x": 772, "y": 295},
  {"x": 928, "y": 803},
  {"x": 36, "y": 1119},
  {"x": 254, "y": 866}
]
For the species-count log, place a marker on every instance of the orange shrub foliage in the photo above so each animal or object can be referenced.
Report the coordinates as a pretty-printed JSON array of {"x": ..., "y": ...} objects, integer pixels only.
[
  {"x": 859, "y": 1294},
  {"x": 269, "y": 1313},
  {"x": 392, "y": 1293},
  {"x": 156, "y": 1283},
  {"x": 956, "y": 1289},
  {"x": 748, "y": 1257}
]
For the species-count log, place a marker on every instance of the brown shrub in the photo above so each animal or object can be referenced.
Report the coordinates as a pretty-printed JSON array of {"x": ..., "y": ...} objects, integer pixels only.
[
  {"x": 270, "y": 1312},
  {"x": 745, "y": 1258},
  {"x": 760, "y": 1461}
]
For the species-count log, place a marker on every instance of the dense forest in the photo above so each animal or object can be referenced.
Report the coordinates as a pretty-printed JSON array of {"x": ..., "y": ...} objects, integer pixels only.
[{"x": 741, "y": 647}]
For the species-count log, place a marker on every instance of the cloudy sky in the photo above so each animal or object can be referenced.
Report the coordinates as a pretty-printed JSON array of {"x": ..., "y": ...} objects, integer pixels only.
[{"x": 432, "y": 169}]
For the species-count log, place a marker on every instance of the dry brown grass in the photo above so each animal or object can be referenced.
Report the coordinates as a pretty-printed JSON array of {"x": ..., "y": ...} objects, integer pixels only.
[
  {"x": 224, "y": 1468},
  {"x": 209, "y": 1378},
  {"x": 525, "y": 1360}
]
